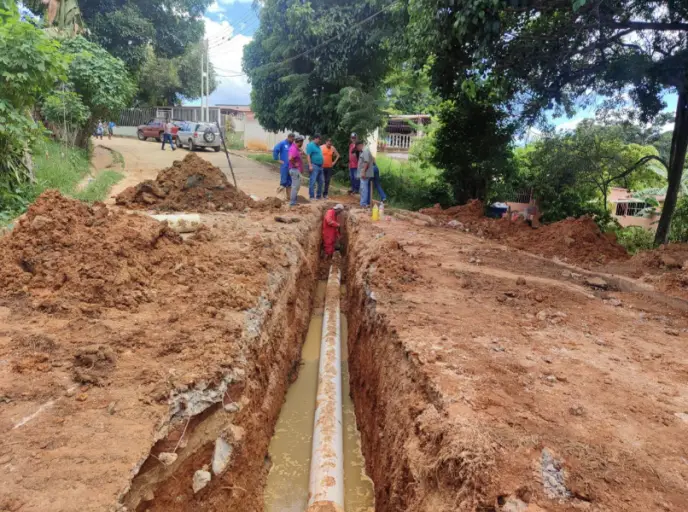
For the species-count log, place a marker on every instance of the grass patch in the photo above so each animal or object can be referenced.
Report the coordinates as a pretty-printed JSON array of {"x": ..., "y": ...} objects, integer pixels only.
[
  {"x": 58, "y": 167},
  {"x": 235, "y": 140},
  {"x": 98, "y": 189},
  {"x": 264, "y": 158},
  {"x": 410, "y": 185}
]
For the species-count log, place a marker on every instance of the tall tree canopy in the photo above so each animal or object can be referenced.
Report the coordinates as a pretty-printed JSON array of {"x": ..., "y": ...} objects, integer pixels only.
[
  {"x": 319, "y": 66},
  {"x": 550, "y": 53},
  {"x": 149, "y": 36}
]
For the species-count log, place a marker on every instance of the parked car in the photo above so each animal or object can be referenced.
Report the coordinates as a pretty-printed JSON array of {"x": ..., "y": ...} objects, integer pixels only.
[
  {"x": 198, "y": 136},
  {"x": 154, "y": 129}
]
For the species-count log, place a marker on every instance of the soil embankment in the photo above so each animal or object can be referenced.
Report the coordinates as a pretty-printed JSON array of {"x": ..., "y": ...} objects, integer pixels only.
[
  {"x": 578, "y": 241},
  {"x": 133, "y": 359},
  {"x": 191, "y": 184},
  {"x": 482, "y": 385}
]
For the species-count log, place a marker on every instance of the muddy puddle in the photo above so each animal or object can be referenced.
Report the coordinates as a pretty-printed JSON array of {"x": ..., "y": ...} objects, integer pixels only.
[{"x": 290, "y": 447}]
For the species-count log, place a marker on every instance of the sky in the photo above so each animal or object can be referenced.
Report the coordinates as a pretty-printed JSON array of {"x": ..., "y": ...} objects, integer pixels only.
[{"x": 229, "y": 26}]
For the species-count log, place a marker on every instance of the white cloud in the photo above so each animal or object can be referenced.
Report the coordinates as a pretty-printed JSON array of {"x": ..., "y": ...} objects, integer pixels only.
[
  {"x": 226, "y": 58},
  {"x": 215, "y": 7},
  {"x": 570, "y": 125}
]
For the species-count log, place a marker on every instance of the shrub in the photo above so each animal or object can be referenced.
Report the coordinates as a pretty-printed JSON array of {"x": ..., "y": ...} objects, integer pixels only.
[
  {"x": 635, "y": 238},
  {"x": 679, "y": 222}
]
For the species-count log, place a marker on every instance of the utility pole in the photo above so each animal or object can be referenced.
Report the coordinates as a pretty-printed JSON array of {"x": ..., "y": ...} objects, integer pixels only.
[
  {"x": 207, "y": 83},
  {"x": 202, "y": 79}
]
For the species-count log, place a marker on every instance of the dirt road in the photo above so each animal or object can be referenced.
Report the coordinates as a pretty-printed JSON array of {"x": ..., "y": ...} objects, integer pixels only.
[{"x": 143, "y": 160}]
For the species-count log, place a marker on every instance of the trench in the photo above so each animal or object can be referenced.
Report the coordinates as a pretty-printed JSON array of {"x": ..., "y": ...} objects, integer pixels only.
[
  {"x": 291, "y": 446},
  {"x": 243, "y": 440}
]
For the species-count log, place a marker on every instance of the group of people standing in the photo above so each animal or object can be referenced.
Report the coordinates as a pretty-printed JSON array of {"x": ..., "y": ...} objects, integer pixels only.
[
  {"x": 101, "y": 127},
  {"x": 321, "y": 159}
]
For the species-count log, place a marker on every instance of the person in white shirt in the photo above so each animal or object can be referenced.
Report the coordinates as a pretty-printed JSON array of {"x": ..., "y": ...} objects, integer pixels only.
[{"x": 167, "y": 136}]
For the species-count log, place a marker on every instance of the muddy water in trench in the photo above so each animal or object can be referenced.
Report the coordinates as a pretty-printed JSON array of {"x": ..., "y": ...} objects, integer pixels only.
[{"x": 290, "y": 447}]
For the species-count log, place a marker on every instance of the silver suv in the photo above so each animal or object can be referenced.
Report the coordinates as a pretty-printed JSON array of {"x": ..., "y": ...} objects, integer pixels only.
[{"x": 198, "y": 136}]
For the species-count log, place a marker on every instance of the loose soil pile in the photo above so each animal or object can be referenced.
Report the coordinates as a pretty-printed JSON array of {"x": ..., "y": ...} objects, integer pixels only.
[
  {"x": 192, "y": 184},
  {"x": 576, "y": 240},
  {"x": 64, "y": 249},
  {"x": 665, "y": 267}
]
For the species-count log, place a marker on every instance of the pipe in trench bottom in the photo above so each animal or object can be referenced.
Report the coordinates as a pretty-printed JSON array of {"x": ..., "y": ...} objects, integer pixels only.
[{"x": 326, "y": 487}]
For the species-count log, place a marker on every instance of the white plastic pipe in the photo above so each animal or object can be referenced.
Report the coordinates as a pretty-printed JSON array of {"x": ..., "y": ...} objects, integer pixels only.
[
  {"x": 180, "y": 222},
  {"x": 326, "y": 488}
]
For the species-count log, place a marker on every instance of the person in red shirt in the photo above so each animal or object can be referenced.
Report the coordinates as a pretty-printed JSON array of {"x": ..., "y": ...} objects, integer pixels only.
[{"x": 330, "y": 230}]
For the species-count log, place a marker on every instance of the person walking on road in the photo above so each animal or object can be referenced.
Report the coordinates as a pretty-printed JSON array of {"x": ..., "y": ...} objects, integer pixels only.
[
  {"x": 353, "y": 165},
  {"x": 315, "y": 165},
  {"x": 328, "y": 151},
  {"x": 111, "y": 129},
  {"x": 99, "y": 130},
  {"x": 167, "y": 135},
  {"x": 281, "y": 152},
  {"x": 365, "y": 171},
  {"x": 295, "y": 168},
  {"x": 330, "y": 229}
]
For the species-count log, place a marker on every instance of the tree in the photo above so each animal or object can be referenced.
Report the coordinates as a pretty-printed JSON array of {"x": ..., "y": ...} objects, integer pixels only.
[
  {"x": 472, "y": 145},
  {"x": 408, "y": 90},
  {"x": 319, "y": 66},
  {"x": 101, "y": 80},
  {"x": 549, "y": 53},
  {"x": 31, "y": 64},
  {"x": 571, "y": 173},
  {"x": 160, "y": 36}
]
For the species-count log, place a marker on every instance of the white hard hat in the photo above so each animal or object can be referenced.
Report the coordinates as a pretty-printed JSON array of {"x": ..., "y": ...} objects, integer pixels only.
[{"x": 339, "y": 206}]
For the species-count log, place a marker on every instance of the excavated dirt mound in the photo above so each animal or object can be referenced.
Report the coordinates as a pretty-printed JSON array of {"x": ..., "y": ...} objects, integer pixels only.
[
  {"x": 472, "y": 210},
  {"x": 665, "y": 267},
  {"x": 64, "y": 249},
  {"x": 192, "y": 184},
  {"x": 578, "y": 240},
  {"x": 575, "y": 240}
]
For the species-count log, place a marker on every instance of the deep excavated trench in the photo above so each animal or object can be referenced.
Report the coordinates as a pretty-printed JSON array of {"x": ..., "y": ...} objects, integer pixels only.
[
  {"x": 250, "y": 450},
  {"x": 220, "y": 451}
]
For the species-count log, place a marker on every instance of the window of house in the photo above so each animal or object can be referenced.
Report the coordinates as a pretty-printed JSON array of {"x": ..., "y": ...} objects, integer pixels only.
[{"x": 630, "y": 209}]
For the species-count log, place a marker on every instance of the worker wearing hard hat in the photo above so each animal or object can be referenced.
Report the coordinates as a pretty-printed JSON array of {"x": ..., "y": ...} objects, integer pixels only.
[{"x": 330, "y": 229}]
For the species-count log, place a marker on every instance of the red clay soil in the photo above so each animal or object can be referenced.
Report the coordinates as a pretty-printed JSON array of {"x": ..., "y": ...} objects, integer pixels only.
[
  {"x": 108, "y": 319},
  {"x": 578, "y": 241},
  {"x": 192, "y": 184},
  {"x": 488, "y": 381},
  {"x": 64, "y": 249},
  {"x": 665, "y": 267}
]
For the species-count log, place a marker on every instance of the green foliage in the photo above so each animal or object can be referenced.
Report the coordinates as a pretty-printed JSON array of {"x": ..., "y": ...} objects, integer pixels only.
[
  {"x": 545, "y": 54},
  {"x": 635, "y": 238},
  {"x": 264, "y": 158},
  {"x": 126, "y": 27},
  {"x": 472, "y": 146},
  {"x": 408, "y": 185},
  {"x": 408, "y": 90},
  {"x": 98, "y": 189},
  {"x": 315, "y": 69},
  {"x": 58, "y": 167},
  {"x": 65, "y": 107},
  {"x": 571, "y": 173},
  {"x": 30, "y": 64},
  {"x": 101, "y": 80},
  {"x": 679, "y": 222}
]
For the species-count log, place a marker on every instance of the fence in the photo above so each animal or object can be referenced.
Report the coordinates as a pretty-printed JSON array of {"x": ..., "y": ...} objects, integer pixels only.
[
  {"x": 398, "y": 141},
  {"x": 137, "y": 116}
]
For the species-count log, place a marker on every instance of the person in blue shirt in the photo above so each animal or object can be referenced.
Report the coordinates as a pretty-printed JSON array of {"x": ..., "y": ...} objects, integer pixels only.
[
  {"x": 281, "y": 152},
  {"x": 315, "y": 166}
]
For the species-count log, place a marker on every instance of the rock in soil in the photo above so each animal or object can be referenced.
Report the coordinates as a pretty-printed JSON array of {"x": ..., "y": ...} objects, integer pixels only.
[{"x": 201, "y": 478}]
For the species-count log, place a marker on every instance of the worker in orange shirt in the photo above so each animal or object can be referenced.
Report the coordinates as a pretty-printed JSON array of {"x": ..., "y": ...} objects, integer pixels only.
[
  {"x": 330, "y": 230},
  {"x": 330, "y": 159}
]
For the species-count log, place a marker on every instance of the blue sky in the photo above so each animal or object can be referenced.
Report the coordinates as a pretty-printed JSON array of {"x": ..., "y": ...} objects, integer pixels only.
[{"x": 230, "y": 25}]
